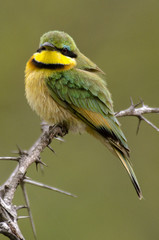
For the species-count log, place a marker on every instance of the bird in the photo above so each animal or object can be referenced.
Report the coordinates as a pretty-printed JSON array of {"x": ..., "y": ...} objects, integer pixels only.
[{"x": 65, "y": 87}]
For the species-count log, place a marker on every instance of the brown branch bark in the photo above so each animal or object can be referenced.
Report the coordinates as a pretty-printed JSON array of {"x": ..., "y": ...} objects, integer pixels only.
[
  {"x": 138, "y": 112},
  {"x": 8, "y": 212}
]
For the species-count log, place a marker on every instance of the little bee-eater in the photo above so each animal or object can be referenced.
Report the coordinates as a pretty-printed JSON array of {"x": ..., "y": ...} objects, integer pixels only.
[{"x": 65, "y": 87}]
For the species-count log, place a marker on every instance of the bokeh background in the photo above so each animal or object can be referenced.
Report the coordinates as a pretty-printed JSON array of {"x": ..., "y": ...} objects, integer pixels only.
[{"x": 122, "y": 37}]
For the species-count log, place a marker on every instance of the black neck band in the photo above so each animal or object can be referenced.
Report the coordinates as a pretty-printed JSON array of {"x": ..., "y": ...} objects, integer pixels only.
[{"x": 48, "y": 65}]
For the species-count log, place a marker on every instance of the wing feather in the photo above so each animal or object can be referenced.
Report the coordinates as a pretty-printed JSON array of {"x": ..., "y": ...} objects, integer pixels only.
[{"x": 86, "y": 95}]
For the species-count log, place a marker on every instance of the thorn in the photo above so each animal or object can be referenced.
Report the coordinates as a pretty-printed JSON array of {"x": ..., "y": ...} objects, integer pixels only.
[
  {"x": 26, "y": 177},
  {"x": 20, "y": 207},
  {"x": 10, "y": 158},
  {"x": 137, "y": 104},
  {"x": 59, "y": 139},
  {"x": 22, "y": 217},
  {"x": 52, "y": 150},
  {"x": 41, "y": 167},
  {"x": 138, "y": 126},
  {"x": 142, "y": 102},
  {"x": 131, "y": 100},
  {"x": 47, "y": 187},
  {"x": 150, "y": 123},
  {"x": 134, "y": 105},
  {"x": 36, "y": 165},
  {"x": 28, "y": 207},
  {"x": 21, "y": 152},
  {"x": 15, "y": 152},
  {"x": 38, "y": 161}
]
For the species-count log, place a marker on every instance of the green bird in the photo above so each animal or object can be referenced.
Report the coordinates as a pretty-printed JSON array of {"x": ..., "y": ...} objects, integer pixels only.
[{"x": 65, "y": 87}]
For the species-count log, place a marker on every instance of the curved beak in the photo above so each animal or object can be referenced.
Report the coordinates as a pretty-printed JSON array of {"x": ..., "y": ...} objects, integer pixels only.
[{"x": 46, "y": 46}]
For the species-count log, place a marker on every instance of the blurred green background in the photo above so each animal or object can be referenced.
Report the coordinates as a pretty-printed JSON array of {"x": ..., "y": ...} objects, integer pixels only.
[{"x": 122, "y": 37}]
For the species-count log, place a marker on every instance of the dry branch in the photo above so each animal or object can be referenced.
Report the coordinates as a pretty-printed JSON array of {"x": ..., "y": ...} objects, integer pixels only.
[
  {"x": 8, "y": 211},
  {"x": 138, "y": 112}
]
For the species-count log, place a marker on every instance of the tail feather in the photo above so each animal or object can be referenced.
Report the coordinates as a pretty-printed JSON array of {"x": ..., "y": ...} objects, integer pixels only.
[
  {"x": 130, "y": 171},
  {"x": 122, "y": 153}
]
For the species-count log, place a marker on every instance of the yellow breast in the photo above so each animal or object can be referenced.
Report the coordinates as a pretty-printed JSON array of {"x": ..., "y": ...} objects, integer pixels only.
[{"x": 40, "y": 100}]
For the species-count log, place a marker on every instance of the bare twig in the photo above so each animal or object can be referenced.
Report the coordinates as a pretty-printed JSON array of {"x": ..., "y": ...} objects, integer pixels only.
[
  {"x": 10, "y": 158},
  {"x": 48, "y": 187},
  {"x": 138, "y": 112},
  {"x": 29, "y": 209},
  {"x": 20, "y": 207},
  {"x": 22, "y": 217}
]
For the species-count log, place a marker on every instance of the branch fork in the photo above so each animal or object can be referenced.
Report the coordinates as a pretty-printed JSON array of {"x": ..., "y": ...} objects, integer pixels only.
[{"x": 136, "y": 111}]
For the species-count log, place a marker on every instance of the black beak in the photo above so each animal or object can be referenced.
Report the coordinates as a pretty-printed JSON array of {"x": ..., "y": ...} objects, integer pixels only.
[{"x": 46, "y": 46}]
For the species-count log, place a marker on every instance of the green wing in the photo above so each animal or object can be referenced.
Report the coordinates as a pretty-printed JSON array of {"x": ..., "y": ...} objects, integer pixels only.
[
  {"x": 85, "y": 95},
  {"x": 81, "y": 91}
]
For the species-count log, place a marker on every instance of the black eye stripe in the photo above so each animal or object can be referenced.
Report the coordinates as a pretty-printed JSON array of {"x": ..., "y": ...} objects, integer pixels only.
[
  {"x": 41, "y": 49},
  {"x": 68, "y": 53},
  {"x": 64, "y": 51}
]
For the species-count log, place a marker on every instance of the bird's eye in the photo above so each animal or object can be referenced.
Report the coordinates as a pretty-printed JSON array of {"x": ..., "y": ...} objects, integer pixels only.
[{"x": 65, "y": 51}]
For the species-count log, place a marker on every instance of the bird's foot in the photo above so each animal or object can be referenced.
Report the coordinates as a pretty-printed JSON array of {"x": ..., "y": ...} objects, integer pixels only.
[{"x": 60, "y": 130}]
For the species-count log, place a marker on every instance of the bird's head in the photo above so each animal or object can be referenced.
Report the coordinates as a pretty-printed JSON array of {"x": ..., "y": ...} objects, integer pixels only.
[{"x": 57, "y": 51}]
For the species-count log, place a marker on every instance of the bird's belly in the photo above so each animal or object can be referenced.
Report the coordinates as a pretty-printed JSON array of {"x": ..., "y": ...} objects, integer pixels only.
[{"x": 40, "y": 101}]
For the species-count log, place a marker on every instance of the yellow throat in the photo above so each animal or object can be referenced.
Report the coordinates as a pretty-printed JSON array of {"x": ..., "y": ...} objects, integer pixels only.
[{"x": 53, "y": 60}]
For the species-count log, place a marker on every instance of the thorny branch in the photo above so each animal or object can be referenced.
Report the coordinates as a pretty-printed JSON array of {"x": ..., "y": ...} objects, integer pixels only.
[
  {"x": 138, "y": 112},
  {"x": 8, "y": 212}
]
